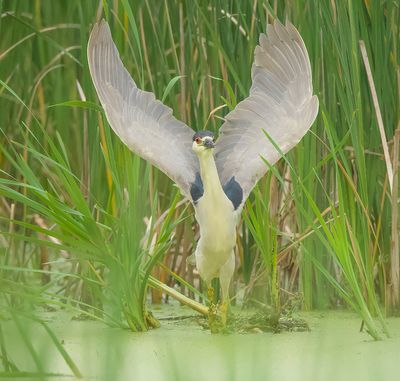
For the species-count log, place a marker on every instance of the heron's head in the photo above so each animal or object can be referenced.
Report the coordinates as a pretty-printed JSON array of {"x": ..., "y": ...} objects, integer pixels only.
[{"x": 203, "y": 141}]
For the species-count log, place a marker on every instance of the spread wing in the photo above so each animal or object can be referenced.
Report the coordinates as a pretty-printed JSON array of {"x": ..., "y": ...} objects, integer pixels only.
[
  {"x": 143, "y": 123},
  {"x": 280, "y": 102}
]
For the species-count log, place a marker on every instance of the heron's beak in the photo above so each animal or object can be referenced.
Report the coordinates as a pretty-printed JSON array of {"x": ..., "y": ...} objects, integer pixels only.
[{"x": 208, "y": 143}]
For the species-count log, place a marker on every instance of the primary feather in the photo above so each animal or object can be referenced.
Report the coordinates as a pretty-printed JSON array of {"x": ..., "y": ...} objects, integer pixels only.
[
  {"x": 280, "y": 105},
  {"x": 143, "y": 123}
]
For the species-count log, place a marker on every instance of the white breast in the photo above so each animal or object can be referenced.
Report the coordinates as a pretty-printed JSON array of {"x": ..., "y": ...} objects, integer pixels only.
[{"x": 217, "y": 220}]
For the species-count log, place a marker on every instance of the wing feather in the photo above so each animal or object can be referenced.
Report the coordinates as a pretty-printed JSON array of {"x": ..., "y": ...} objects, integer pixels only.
[
  {"x": 143, "y": 123},
  {"x": 280, "y": 103}
]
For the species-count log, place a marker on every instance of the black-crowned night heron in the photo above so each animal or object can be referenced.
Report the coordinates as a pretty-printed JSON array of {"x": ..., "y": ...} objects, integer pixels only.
[{"x": 216, "y": 176}]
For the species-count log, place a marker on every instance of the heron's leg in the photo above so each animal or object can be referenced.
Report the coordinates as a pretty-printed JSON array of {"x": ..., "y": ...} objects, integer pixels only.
[
  {"x": 212, "y": 310},
  {"x": 225, "y": 276},
  {"x": 210, "y": 293}
]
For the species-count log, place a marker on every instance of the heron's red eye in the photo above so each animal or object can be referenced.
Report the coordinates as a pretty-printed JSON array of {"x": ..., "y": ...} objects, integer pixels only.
[{"x": 198, "y": 140}]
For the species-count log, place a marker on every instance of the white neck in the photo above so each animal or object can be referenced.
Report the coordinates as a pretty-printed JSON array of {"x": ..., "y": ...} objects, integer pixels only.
[{"x": 209, "y": 175}]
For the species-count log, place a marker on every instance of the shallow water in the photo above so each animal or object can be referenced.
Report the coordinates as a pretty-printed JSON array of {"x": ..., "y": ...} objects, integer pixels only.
[{"x": 334, "y": 349}]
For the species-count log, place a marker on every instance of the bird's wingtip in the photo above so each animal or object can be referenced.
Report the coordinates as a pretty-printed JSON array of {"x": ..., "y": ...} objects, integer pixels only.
[{"x": 100, "y": 33}]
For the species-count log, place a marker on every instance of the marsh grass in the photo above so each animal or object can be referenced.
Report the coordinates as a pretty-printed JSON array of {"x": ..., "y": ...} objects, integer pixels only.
[{"x": 78, "y": 210}]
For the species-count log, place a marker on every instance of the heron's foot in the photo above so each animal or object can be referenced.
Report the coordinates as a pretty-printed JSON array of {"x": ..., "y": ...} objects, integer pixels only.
[
  {"x": 214, "y": 318},
  {"x": 217, "y": 317}
]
